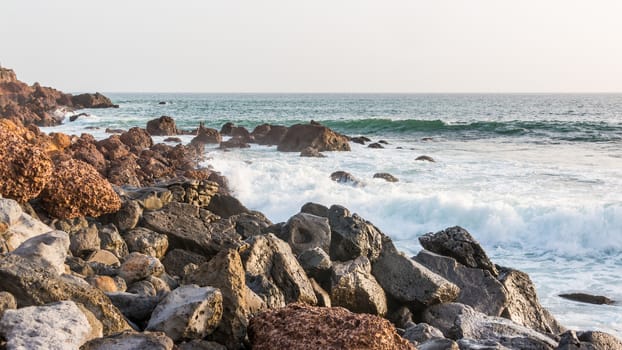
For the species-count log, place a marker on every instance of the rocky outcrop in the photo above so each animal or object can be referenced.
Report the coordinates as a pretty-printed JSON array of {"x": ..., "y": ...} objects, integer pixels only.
[
  {"x": 77, "y": 189},
  {"x": 95, "y": 100},
  {"x": 305, "y": 327},
  {"x": 163, "y": 126},
  {"x": 301, "y": 136}
]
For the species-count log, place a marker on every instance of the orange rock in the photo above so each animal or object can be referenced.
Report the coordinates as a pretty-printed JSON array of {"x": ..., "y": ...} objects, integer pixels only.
[{"x": 104, "y": 283}]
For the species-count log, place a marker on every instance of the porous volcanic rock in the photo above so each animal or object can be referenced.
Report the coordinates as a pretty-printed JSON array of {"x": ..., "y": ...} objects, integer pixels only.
[
  {"x": 77, "y": 189},
  {"x": 301, "y": 136},
  {"x": 299, "y": 326}
]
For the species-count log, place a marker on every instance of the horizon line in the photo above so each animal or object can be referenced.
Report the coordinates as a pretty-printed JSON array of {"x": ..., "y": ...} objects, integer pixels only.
[{"x": 366, "y": 92}]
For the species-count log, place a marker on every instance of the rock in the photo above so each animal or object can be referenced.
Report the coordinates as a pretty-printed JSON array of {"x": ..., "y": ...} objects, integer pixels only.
[
  {"x": 301, "y": 136},
  {"x": 226, "y": 128},
  {"x": 311, "y": 152},
  {"x": 188, "y": 312},
  {"x": 75, "y": 117},
  {"x": 17, "y": 226},
  {"x": 59, "y": 325},
  {"x": 386, "y": 176},
  {"x": 104, "y": 257},
  {"x": 356, "y": 289},
  {"x": 136, "y": 139},
  {"x": 269, "y": 134},
  {"x": 273, "y": 272},
  {"x": 48, "y": 250},
  {"x": 163, "y": 126},
  {"x": 306, "y": 231},
  {"x": 206, "y": 135},
  {"x": 197, "y": 344},
  {"x": 128, "y": 216},
  {"x": 77, "y": 189},
  {"x": 352, "y": 236},
  {"x": 194, "y": 229},
  {"x": 600, "y": 340},
  {"x": 409, "y": 282},
  {"x": 149, "y": 198},
  {"x": 458, "y": 321},
  {"x": 25, "y": 169},
  {"x": 523, "y": 306},
  {"x": 162, "y": 102},
  {"x": 470, "y": 344},
  {"x": 114, "y": 131},
  {"x": 375, "y": 145},
  {"x": 145, "y": 241},
  {"x": 250, "y": 224},
  {"x": 315, "y": 209},
  {"x": 240, "y": 132},
  {"x": 323, "y": 298},
  {"x": 425, "y": 158},
  {"x": 112, "y": 241},
  {"x": 106, "y": 284},
  {"x": 84, "y": 241},
  {"x": 305, "y": 327},
  {"x": 234, "y": 142},
  {"x": 138, "y": 266},
  {"x": 360, "y": 140},
  {"x": 18, "y": 275},
  {"x": 458, "y": 243},
  {"x": 421, "y": 333},
  {"x": 438, "y": 344},
  {"x": 345, "y": 178},
  {"x": 142, "y": 287},
  {"x": 95, "y": 100},
  {"x": 316, "y": 264},
  {"x": 226, "y": 206},
  {"x": 570, "y": 341},
  {"x": 173, "y": 139},
  {"x": 114, "y": 148},
  {"x": 137, "y": 308},
  {"x": 177, "y": 259},
  {"x": 7, "y": 302},
  {"x": 131, "y": 341},
  {"x": 588, "y": 298},
  {"x": 225, "y": 272},
  {"x": 478, "y": 288}
]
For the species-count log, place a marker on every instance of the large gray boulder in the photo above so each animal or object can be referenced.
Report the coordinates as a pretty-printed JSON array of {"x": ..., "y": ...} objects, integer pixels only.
[
  {"x": 137, "y": 308},
  {"x": 273, "y": 272},
  {"x": 131, "y": 341},
  {"x": 458, "y": 321},
  {"x": 409, "y": 282},
  {"x": 48, "y": 249},
  {"x": 356, "y": 289},
  {"x": 306, "y": 231},
  {"x": 316, "y": 264},
  {"x": 478, "y": 288},
  {"x": 458, "y": 243},
  {"x": 17, "y": 226},
  {"x": 176, "y": 260},
  {"x": 191, "y": 228},
  {"x": 352, "y": 236},
  {"x": 188, "y": 312},
  {"x": 56, "y": 326},
  {"x": 33, "y": 284},
  {"x": 146, "y": 241}
]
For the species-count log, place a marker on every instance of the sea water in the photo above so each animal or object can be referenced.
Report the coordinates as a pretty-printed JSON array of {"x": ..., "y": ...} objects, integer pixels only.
[{"x": 536, "y": 178}]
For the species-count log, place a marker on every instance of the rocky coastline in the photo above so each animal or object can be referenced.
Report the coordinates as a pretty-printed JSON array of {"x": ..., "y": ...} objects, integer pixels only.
[{"x": 125, "y": 244}]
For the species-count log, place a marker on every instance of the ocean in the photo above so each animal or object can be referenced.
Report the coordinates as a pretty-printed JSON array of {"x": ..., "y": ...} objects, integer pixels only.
[{"x": 536, "y": 178}]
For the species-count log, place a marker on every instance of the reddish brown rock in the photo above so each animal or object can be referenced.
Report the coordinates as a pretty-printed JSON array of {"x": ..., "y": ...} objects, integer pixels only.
[
  {"x": 25, "y": 169},
  {"x": 234, "y": 142},
  {"x": 298, "y": 326},
  {"x": 86, "y": 150},
  {"x": 136, "y": 139},
  {"x": 301, "y": 136},
  {"x": 113, "y": 147},
  {"x": 266, "y": 134},
  {"x": 163, "y": 126},
  {"x": 95, "y": 100},
  {"x": 77, "y": 189},
  {"x": 206, "y": 135}
]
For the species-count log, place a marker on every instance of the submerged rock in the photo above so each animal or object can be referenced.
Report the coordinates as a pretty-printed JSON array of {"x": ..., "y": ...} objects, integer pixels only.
[
  {"x": 345, "y": 178},
  {"x": 425, "y": 158},
  {"x": 386, "y": 176}
]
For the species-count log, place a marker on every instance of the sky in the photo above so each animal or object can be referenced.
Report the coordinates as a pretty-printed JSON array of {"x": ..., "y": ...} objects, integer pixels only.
[{"x": 315, "y": 46}]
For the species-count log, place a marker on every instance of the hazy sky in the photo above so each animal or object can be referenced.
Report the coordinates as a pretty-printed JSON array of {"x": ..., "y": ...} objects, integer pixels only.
[{"x": 315, "y": 46}]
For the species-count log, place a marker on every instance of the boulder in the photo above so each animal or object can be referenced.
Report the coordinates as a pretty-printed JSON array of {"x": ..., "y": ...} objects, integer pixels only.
[
  {"x": 137, "y": 308},
  {"x": 346, "y": 178},
  {"x": 95, "y": 100},
  {"x": 240, "y": 132},
  {"x": 306, "y": 231},
  {"x": 301, "y": 136},
  {"x": 588, "y": 298},
  {"x": 106, "y": 284},
  {"x": 146, "y": 241},
  {"x": 225, "y": 272},
  {"x": 316, "y": 264},
  {"x": 360, "y": 139},
  {"x": 25, "y": 169},
  {"x": 234, "y": 142},
  {"x": 458, "y": 243},
  {"x": 173, "y": 139},
  {"x": 425, "y": 158},
  {"x": 386, "y": 176},
  {"x": 136, "y": 139},
  {"x": 600, "y": 340},
  {"x": 59, "y": 325},
  {"x": 352, "y": 236},
  {"x": 86, "y": 150},
  {"x": 300, "y": 326},
  {"x": 226, "y": 128},
  {"x": 149, "y": 198},
  {"x": 17, "y": 226},
  {"x": 323, "y": 298},
  {"x": 315, "y": 209},
  {"x": 438, "y": 344},
  {"x": 163, "y": 126},
  {"x": 114, "y": 148},
  {"x": 421, "y": 333},
  {"x": 104, "y": 257},
  {"x": 409, "y": 282},
  {"x": 269, "y": 134},
  {"x": 478, "y": 288},
  {"x": 177, "y": 259},
  {"x": 206, "y": 135},
  {"x": 112, "y": 241},
  {"x": 458, "y": 321},
  {"x": 128, "y": 216},
  {"x": 250, "y": 224},
  {"x": 77, "y": 189},
  {"x": 7, "y": 302},
  {"x": 355, "y": 288},
  {"x": 84, "y": 241},
  {"x": 225, "y": 205},
  {"x": 273, "y": 272},
  {"x": 131, "y": 341},
  {"x": 139, "y": 266},
  {"x": 189, "y": 312},
  {"x": 48, "y": 250},
  {"x": 312, "y": 153},
  {"x": 375, "y": 145},
  {"x": 197, "y": 344},
  {"x": 194, "y": 229}
]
